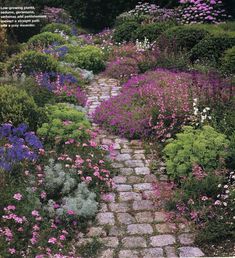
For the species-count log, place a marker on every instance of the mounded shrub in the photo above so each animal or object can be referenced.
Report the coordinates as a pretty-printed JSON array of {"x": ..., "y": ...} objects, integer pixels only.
[
  {"x": 88, "y": 57},
  {"x": 45, "y": 39},
  {"x": 183, "y": 37},
  {"x": 204, "y": 147},
  {"x": 31, "y": 61},
  {"x": 125, "y": 31},
  {"x": 17, "y": 106},
  {"x": 41, "y": 95},
  {"x": 211, "y": 48},
  {"x": 57, "y": 27},
  {"x": 64, "y": 123},
  {"x": 151, "y": 31},
  {"x": 228, "y": 61}
]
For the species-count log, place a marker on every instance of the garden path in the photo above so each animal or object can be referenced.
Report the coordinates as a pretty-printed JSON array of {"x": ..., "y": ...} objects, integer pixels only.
[{"x": 130, "y": 224}]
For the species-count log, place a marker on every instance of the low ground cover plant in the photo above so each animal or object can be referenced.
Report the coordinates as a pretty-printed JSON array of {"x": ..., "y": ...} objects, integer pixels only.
[{"x": 146, "y": 105}]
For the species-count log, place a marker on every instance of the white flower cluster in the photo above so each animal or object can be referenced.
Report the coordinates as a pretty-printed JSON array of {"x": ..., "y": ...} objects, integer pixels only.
[
  {"x": 202, "y": 116},
  {"x": 227, "y": 191},
  {"x": 62, "y": 34},
  {"x": 143, "y": 46}
]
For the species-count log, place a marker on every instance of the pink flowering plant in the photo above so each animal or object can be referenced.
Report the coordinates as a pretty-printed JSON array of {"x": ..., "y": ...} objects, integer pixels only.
[
  {"x": 43, "y": 212},
  {"x": 26, "y": 230},
  {"x": 127, "y": 60},
  {"x": 156, "y": 103},
  {"x": 207, "y": 199},
  {"x": 201, "y": 11}
]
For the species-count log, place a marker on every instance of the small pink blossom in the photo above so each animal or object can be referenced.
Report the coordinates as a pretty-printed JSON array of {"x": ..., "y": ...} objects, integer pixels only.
[
  {"x": 12, "y": 250},
  {"x": 62, "y": 237},
  {"x": 70, "y": 212},
  {"x": 17, "y": 196},
  {"x": 10, "y": 207},
  {"x": 36, "y": 227},
  {"x": 41, "y": 152},
  {"x": 204, "y": 198},
  {"x": 43, "y": 195},
  {"x": 35, "y": 213},
  {"x": 93, "y": 144},
  {"x": 52, "y": 240}
]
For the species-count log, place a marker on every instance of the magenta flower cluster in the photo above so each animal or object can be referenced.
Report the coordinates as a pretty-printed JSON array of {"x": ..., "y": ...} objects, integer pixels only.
[
  {"x": 155, "y": 103},
  {"x": 201, "y": 11}
]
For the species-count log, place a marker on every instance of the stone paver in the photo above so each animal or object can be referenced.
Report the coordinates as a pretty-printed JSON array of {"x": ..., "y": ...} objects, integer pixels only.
[
  {"x": 162, "y": 240},
  {"x": 129, "y": 222},
  {"x": 152, "y": 252},
  {"x": 140, "y": 229},
  {"x": 134, "y": 242},
  {"x": 186, "y": 239},
  {"x": 125, "y": 218},
  {"x": 190, "y": 252},
  {"x": 106, "y": 218},
  {"x": 128, "y": 254}
]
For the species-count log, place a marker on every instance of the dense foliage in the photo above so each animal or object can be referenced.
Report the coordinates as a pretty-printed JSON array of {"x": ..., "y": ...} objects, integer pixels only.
[
  {"x": 29, "y": 62},
  {"x": 206, "y": 148},
  {"x": 16, "y": 106}
]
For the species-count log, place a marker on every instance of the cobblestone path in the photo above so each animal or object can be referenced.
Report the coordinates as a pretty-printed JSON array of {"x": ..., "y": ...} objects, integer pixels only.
[{"x": 129, "y": 224}]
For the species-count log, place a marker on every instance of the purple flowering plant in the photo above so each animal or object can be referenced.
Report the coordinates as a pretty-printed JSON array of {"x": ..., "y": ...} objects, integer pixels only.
[
  {"x": 56, "y": 51},
  {"x": 18, "y": 145},
  {"x": 62, "y": 86},
  {"x": 201, "y": 11}
]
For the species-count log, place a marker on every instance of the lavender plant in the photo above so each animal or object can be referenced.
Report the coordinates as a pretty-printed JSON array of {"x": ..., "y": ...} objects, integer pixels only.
[{"x": 17, "y": 145}]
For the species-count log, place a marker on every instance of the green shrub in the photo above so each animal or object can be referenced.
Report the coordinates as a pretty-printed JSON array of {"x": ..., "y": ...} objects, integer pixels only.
[
  {"x": 45, "y": 39},
  {"x": 223, "y": 117},
  {"x": 88, "y": 57},
  {"x": 228, "y": 61},
  {"x": 172, "y": 60},
  {"x": 18, "y": 107},
  {"x": 57, "y": 27},
  {"x": 125, "y": 31},
  {"x": 64, "y": 123},
  {"x": 204, "y": 147},
  {"x": 41, "y": 95},
  {"x": 183, "y": 37},
  {"x": 211, "y": 48},
  {"x": 31, "y": 61},
  {"x": 150, "y": 31}
]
